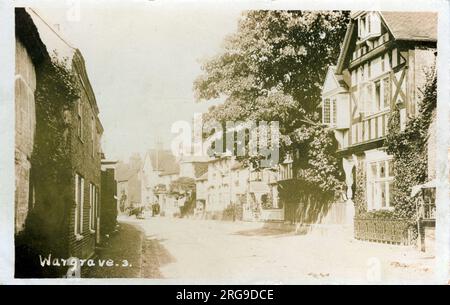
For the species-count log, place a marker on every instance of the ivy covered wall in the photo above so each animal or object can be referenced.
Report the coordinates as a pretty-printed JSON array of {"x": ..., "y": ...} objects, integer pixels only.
[
  {"x": 51, "y": 173},
  {"x": 409, "y": 148}
]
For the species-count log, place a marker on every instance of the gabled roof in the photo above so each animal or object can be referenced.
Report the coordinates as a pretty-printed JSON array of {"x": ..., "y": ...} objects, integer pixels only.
[
  {"x": 163, "y": 161},
  {"x": 125, "y": 171},
  {"x": 412, "y": 26},
  {"x": 404, "y": 26},
  {"x": 52, "y": 39},
  {"x": 59, "y": 47},
  {"x": 27, "y": 32}
]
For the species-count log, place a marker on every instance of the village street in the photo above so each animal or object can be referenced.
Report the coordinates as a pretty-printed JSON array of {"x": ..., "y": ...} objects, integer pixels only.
[{"x": 214, "y": 251}]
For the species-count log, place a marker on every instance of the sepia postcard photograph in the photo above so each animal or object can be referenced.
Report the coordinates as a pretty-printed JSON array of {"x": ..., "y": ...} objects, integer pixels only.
[{"x": 225, "y": 142}]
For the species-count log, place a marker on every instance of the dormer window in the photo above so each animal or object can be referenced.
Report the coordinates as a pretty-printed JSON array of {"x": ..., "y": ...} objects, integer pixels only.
[{"x": 369, "y": 26}]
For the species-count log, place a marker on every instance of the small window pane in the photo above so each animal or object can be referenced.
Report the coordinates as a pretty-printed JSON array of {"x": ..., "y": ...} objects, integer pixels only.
[
  {"x": 383, "y": 194},
  {"x": 377, "y": 96},
  {"x": 383, "y": 170},
  {"x": 391, "y": 168},
  {"x": 334, "y": 111},
  {"x": 373, "y": 171},
  {"x": 326, "y": 111}
]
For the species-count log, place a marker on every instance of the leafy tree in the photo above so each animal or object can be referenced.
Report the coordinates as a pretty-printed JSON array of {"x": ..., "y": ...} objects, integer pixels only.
[
  {"x": 184, "y": 187},
  {"x": 272, "y": 69}
]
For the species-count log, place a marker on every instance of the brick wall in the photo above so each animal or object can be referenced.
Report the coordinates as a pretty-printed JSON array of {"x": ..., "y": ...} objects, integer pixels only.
[
  {"x": 25, "y": 86},
  {"x": 86, "y": 164}
]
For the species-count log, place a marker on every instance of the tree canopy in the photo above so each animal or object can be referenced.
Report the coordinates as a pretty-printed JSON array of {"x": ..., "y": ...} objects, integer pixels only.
[{"x": 272, "y": 69}]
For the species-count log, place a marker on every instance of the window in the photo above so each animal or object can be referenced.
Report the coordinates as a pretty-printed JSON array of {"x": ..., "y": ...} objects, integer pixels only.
[
  {"x": 369, "y": 25},
  {"x": 93, "y": 197},
  {"x": 365, "y": 99},
  {"x": 79, "y": 201},
  {"x": 329, "y": 113},
  {"x": 380, "y": 176},
  {"x": 374, "y": 96},
  {"x": 80, "y": 119},
  {"x": 377, "y": 95}
]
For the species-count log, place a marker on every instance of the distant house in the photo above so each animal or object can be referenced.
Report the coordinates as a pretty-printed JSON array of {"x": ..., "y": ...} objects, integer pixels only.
[
  {"x": 201, "y": 195},
  {"x": 64, "y": 183},
  {"x": 192, "y": 166},
  {"x": 170, "y": 201},
  {"x": 129, "y": 183},
  {"x": 382, "y": 67},
  {"x": 156, "y": 162},
  {"x": 169, "y": 205},
  {"x": 230, "y": 190},
  {"x": 218, "y": 188}
]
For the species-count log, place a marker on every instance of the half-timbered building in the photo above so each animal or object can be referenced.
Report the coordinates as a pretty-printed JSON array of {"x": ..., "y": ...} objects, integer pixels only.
[{"x": 382, "y": 67}]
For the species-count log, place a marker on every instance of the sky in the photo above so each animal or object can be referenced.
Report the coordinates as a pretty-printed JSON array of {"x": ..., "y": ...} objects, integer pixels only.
[{"x": 142, "y": 59}]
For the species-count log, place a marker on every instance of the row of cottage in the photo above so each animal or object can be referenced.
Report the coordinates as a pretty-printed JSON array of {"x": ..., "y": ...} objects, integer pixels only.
[
  {"x": 383, "y": 65},
  {"x": 219, "y": 185},
  {"x": 65, "y": 197}
]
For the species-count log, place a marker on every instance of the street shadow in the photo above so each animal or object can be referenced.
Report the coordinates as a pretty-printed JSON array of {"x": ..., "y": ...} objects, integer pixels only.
[
  {"x": 275, "y": 232},
  {"x": 124, "y": 249},
  {"x": 264, "y": 232},
  {"x": 154, "y": 256}
]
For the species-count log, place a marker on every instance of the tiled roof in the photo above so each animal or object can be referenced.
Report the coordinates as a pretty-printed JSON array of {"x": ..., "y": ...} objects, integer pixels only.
[
  {"x": 53, "y": 40},
  {"x": 414, "y": 26},
  {"x": 125, "y": 172},
  {"x": 164, "y": 161}
]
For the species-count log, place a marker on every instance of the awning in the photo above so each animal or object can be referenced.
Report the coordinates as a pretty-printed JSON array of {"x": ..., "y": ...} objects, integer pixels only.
[{"x": 417, "y": 188}]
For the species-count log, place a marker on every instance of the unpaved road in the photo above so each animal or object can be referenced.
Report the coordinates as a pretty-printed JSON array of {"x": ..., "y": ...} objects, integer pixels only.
[{"x": 223, "y": 252}]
